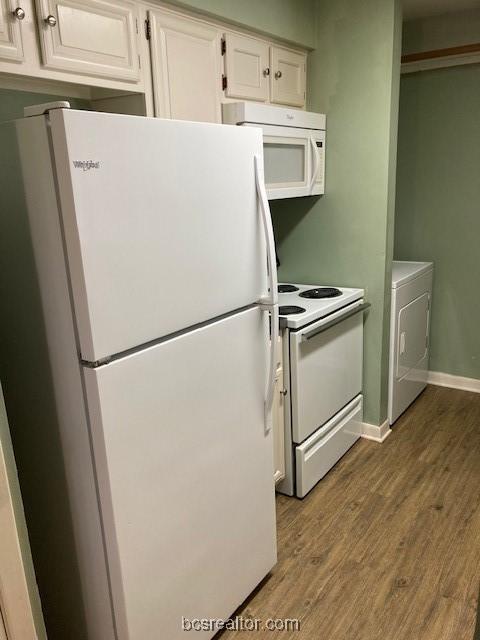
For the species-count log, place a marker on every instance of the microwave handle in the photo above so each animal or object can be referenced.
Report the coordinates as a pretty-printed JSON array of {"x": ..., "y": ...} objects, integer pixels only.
[
  {"x": 268, "y": 303},
  {"x": 316, "y": 161}
]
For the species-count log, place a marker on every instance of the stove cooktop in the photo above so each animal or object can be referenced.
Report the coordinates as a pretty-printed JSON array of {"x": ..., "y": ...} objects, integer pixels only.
[
  {"x": 311, "y": 302},
  {"x": 287, "y": 288},
  {"x": 290, "y": 309},
  {"x": 321, "y": 292}
]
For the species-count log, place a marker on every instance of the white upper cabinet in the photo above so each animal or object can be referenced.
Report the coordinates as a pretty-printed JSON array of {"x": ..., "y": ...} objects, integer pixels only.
[
  {"x": 92, "y": 37},
  {"x": 186, "y": 67},
  {"x": 11, "y": 17},
  {"x": 190, "y": 64},
  {"x": 246, "y": 67},
  {"x": 287, "y": 77},
  {"x": 258, "y": 70}
]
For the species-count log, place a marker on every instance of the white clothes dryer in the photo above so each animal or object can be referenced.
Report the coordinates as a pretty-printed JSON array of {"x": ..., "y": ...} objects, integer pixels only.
[{"x": 409, "y": 334}]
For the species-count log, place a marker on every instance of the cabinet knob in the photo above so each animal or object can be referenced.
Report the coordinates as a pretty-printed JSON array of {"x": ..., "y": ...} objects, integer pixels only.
[
  {"x": 278, "y": 75},
  {"x": 19, "y": 13},
  {"x": 266, "y": 72},
  {"x": 51, "y": 21},
  {"x": 283, "y": 392}
]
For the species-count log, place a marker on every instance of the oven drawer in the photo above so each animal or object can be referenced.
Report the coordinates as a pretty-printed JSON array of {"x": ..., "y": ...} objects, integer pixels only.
[
  {"x": 319, "y": 453},
  {"x": 325, "y": 371}
]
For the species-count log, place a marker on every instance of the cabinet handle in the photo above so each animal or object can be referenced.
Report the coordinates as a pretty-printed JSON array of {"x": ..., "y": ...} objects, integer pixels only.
[
  {"x": 51, "y": 21},
  {"x": 266, "y": 72},
  {"x": 19, "y": 13},
  {"x": 278, "y": 75},
  {"x": 283, "y": 392}
]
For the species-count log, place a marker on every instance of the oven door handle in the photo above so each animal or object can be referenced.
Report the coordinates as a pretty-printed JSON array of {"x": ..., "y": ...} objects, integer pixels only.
[{"x": 308, "y": 335}]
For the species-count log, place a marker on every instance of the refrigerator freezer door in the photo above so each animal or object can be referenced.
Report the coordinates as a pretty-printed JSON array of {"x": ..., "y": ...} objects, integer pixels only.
[
  {"x": 162, "y": 224},
  {"x": 185, "y": 472}
]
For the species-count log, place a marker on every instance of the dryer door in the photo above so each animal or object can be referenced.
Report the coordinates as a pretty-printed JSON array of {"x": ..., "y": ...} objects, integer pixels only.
[{"x": 412, "y": 339}]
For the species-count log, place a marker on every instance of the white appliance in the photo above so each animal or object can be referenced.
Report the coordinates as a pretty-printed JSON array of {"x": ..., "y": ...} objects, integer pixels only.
[
  {"x": 323, "y": 365},
  {"x": 409, "y": 334},
  {"x": 293, "y": 146},
  {"x": 151, "y": 240}
]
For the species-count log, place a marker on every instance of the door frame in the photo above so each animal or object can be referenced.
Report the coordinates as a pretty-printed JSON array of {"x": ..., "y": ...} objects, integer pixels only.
[{"x": 20, "y": 611}]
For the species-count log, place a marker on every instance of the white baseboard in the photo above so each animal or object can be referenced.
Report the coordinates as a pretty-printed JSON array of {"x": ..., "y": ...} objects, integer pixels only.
[
  {"x": 376, "y": 433},
  {"x": 454, "y": 382}
]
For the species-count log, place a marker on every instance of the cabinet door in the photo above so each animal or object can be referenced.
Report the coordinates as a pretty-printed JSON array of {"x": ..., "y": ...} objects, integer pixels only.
[
  {"x": 93, "y": 37},
  {"x": 278, "y": 418},
  {"x": 186, "y": 69},
  {"x": 287, "y": 77},
  {"x": 247, "y": 67},
  {"x": 11, "y": 47}
]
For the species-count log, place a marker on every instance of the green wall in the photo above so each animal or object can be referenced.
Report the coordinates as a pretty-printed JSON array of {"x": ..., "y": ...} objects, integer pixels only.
[
  {"x": 345, "y": 237},
  {"x": 287, "y": 19},
  {"x": 442, "y": 31},
  {"x": 438, "y": 205},
  {"x": 13, "y": 102}
]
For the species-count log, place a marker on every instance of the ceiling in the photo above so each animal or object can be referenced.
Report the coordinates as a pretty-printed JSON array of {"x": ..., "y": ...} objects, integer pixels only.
[{"x": 423, "y": 8}]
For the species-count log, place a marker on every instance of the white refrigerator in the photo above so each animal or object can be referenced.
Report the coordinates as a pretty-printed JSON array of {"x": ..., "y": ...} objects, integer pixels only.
[{"x": 153, "y": 249}]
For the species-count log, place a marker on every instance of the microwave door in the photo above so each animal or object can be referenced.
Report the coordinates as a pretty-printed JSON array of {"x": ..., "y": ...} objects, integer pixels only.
[{"x": 287, "y": 161}]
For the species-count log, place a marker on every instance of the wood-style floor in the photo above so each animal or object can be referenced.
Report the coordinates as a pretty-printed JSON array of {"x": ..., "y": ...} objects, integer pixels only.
[{"x": 387, "y": 546}]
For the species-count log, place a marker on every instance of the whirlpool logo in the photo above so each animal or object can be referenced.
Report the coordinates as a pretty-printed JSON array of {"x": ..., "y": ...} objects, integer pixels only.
[{"x": 86, "y": 165}]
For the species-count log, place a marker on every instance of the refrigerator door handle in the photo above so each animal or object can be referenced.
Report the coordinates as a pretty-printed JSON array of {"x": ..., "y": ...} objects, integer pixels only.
[
  {"x": 270, "y": 302},
  {"x": 272, "y": 297},
  {"x": 272, "y": 370}
]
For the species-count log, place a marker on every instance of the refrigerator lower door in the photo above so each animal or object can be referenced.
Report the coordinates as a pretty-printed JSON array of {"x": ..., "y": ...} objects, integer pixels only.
[{"x": 185, "y": 474}]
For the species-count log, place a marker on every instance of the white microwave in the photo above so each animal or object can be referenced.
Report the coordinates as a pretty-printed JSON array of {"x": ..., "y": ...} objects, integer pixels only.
[{"x": 293, "y": 146}]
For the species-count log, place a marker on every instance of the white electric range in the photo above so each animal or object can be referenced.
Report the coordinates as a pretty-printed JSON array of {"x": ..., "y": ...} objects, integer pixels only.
[{"x": 323, "y": 364}]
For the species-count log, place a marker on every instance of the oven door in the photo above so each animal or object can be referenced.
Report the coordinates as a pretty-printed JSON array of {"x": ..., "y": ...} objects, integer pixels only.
[
  {"x": 326, "y": 362},
  {"x": 288, "y": 160}
]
